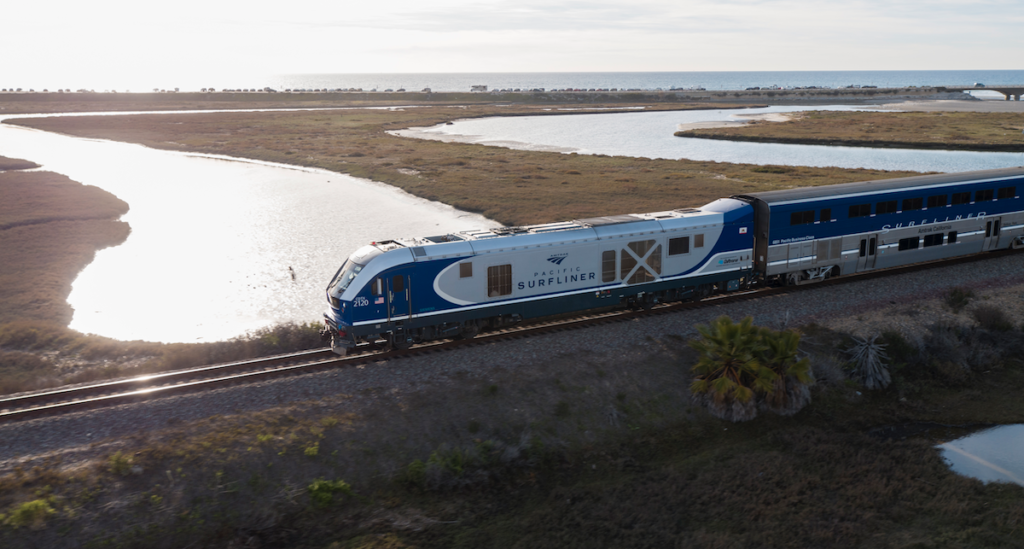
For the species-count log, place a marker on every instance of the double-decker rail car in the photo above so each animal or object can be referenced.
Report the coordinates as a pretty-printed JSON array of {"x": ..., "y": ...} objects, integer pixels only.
[
  {"x": 417, "y": 289},
  {"x": 808, "y": 234}
]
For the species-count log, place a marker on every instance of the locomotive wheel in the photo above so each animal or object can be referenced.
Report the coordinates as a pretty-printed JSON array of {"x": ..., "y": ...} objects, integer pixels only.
[
  {"x": 470, "y": 329},
  {"x": 398, "y": 343}
]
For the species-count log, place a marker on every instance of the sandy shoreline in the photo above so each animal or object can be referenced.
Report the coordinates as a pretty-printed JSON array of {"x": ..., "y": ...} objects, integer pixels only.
[{"x": 768, "y": 117}]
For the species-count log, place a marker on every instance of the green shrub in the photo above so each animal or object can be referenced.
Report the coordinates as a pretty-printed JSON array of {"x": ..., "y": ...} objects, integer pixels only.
[
  {"x": 321, "y": 491},
  {"x": 957, "y": 298},
  {"x": 742, "y": 367},
  {"x": 120, "y": 464},
  {"x": 31, "y": 513}
]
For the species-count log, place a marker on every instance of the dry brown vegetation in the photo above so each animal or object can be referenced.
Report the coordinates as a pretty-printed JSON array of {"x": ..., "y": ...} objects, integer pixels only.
[
  {"x": 488, "y": 461},
  {"x": 512, "y": 187},
  {"x": 16, "y": 164},
  {"x": 50, "y": 228},
  {"x": 971, "y": 131}
]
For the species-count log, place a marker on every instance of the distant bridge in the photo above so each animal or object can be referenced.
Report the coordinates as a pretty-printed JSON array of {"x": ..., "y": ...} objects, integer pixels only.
[{"x": 1012, "y": 93}]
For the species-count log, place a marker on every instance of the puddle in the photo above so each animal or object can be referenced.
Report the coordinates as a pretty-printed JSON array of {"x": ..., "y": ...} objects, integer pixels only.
[{"x": 995, "y": 454}]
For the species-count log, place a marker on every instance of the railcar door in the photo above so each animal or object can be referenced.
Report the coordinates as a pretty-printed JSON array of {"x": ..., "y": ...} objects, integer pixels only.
[
  {"x": 399, "y": 297},
  {"x": 867, "y": 253},
  {"x": 993, "y": 226}
]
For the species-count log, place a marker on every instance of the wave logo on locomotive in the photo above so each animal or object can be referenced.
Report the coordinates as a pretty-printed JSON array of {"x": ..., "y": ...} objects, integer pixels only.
[{"x": 557, "y": 259}]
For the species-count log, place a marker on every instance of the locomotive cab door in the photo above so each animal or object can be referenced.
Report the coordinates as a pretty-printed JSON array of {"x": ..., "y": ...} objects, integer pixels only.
[
  {"x": 399, "y": 297},
  {"x": 993, "y": 226},
  {"x": 867, "y": 253}
]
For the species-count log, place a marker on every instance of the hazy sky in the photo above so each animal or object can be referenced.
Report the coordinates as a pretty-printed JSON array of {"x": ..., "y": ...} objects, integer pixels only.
[{"x": 73, "y": 39}]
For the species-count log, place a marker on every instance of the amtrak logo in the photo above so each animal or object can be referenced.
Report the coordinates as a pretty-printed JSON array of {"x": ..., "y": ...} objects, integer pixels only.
[{"x": 557, "y": 259}]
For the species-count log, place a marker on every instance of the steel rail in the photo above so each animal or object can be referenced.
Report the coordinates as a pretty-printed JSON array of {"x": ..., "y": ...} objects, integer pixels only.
[{"x": 117, "y": 392}]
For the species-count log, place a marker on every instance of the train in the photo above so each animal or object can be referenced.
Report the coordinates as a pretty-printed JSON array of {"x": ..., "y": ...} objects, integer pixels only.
[{"x": 395, "y": 293}]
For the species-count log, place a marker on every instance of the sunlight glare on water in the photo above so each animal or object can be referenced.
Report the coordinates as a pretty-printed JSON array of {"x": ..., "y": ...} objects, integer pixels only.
[{"x": 218, "y": 247}]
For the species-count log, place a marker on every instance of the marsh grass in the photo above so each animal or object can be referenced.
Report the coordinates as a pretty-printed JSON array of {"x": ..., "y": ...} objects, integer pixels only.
[
  {"x": 928, "y": 130},
  {"x": 509, "y": 186}
]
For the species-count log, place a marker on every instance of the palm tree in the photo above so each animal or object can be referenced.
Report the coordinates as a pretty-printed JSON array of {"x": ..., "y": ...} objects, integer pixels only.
[
  {"x": 790, "y": 387},
  {"x": 728, "y": 372}
]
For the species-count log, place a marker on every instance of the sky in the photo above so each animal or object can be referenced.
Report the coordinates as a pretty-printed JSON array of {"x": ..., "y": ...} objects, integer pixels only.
[{"x": 46, "y": 41}]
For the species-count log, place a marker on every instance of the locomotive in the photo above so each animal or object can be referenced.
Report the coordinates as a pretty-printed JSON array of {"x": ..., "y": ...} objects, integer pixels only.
[{"x": 409, "y": 290}]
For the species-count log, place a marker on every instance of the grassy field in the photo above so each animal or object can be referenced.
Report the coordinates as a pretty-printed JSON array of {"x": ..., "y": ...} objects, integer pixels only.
[
  {"x": 622, "y": 460},
  {"x": 968, "y": 131},
  {"x": 512, "y": 187}
]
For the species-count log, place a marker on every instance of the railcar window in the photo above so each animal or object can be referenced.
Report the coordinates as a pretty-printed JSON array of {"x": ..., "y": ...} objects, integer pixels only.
[
  {"x": 961, "y": 198},
  {"x": 910, "y": 204},
  {"x": 909, "y": 243},
  {"x": 608, "y": 266},
  {"x": 499, "y": 280},
  {"x": 887, "y": 207},
  {"x": 952, "y": 238},
  {"x": 678, "y": 246},
  {"x": 933, "y": 240},
  {"x": 801, "y": 218},
  {"x": 698, "y": 241},
  {"x": 937, "y": 201},
  {"x": 826, "y": 215},
  {"x": 983, "y": 196},
  {"x": 466, "y": 270},
  {"x": 860, "y": 210},
  {"x": 397, "y": 284},
  {"x": 1007, "y": 192}
]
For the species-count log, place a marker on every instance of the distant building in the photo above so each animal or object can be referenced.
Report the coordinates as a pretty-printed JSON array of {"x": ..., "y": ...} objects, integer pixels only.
[{"x": 478, "y": 88}]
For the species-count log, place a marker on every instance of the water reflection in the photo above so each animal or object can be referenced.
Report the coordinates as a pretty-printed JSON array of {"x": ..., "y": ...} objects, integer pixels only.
[
  {"x": 220, "y": 247},
  {"x": 650, "y": 134},
  {"x": 992, "y": 455}
]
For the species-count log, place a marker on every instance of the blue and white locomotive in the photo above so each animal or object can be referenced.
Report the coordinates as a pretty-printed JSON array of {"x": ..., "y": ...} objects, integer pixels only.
[{"x": 418, "y": 289}]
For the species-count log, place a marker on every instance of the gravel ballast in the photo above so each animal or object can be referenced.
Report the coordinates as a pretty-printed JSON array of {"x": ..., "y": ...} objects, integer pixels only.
[{"x": 860, "y": 307}]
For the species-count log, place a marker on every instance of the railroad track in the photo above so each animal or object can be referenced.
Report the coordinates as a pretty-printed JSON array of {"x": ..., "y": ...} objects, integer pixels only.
[{"x": 112, "y": 393}]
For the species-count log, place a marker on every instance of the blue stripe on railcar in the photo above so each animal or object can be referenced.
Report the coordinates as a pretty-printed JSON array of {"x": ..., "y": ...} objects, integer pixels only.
[{"x": 782, "y": 231}]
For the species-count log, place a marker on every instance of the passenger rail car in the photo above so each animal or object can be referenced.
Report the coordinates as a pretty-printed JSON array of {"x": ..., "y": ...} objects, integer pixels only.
[
  {"x": 808, "y": 234},
  {"x": 417, "y": 289}
]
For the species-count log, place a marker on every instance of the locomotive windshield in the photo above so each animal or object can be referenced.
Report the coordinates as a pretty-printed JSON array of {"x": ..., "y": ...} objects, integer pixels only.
[{"x": 344, "y": 277}]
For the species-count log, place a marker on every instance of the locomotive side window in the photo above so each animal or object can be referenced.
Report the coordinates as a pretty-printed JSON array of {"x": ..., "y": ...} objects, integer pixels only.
[
  {"x": 801, "y": 218},
  {"x": 910, "y": 204},
  {"x": 466, "y": 270},
  {"x": 983, "y": 196},
  {"x": 397, "y": 283},
  {"x": 499, "y": 280},
  {"x": 933, "y": 240},
  {"x": 886, "y": 207},
  {"x": 376, "y": 287},
  {"x": 826, "y": 215},
  {"x": 961, "y": 198},
  {"x": 698, "y": 241},
  {"x": 608, "y": 266},
  {"x": 937, "y": 201},
  {"x": 860, "y": 210},
  {"x": 952, "y": 237},
  {"x": 681, "y": 245},
  {"x": 909, "y": 243},
  {"x": 1007, "y": 192}
]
